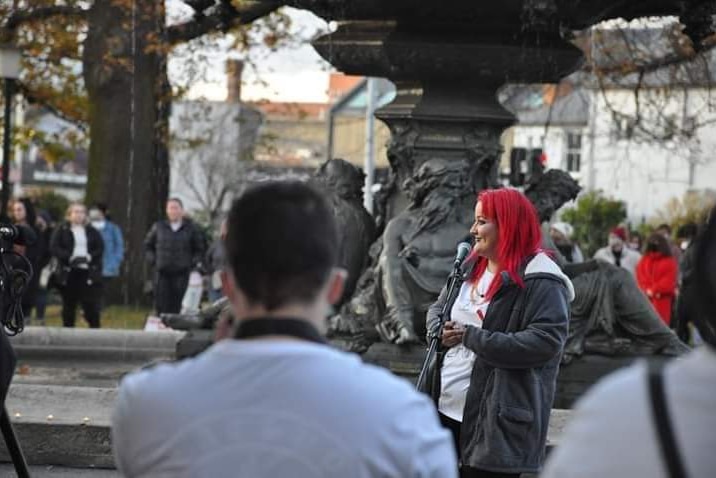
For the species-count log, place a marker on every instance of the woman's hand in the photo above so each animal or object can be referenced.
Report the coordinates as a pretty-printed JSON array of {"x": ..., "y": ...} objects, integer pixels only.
[{"x": 452, "y": 333}]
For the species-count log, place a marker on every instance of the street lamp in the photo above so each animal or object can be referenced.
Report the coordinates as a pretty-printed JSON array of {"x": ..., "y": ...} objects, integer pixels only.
[{"x": 9, "y": 71}]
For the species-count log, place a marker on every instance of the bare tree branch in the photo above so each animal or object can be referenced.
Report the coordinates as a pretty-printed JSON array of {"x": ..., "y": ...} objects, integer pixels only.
[{"x": 223, "y": 18}]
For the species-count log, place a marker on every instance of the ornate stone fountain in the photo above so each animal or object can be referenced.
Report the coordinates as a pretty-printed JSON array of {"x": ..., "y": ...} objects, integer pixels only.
[{"x": 448, "y": 59}]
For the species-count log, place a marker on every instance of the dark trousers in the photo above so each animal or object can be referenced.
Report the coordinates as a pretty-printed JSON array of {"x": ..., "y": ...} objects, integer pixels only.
[
  {"x": 89, "y": 296},
  {"x": 169, "y": 291},
  {"x": 465, "y": 471},
  {"x": 41, "y": 303},
  {"x": 454, "y": 427}
]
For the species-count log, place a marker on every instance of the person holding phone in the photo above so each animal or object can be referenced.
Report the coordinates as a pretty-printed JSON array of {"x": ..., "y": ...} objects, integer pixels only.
[{"x": 78, "y": 248}]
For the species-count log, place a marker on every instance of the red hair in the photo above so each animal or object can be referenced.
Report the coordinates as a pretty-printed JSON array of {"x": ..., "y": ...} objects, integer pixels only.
[{"x": 519, "y": 234}]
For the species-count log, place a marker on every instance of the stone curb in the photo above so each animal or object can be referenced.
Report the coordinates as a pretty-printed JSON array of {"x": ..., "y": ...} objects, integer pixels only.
[
  {"x": 97, "y": 337},
  {"x": 93, "y": 344},
  {"x": 104, "y": 354}
]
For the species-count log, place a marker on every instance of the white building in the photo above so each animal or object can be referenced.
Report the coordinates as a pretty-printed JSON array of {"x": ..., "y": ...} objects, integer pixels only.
[
  {"x": 208, "y": 140},
  {"x": 592, "y": 131}
]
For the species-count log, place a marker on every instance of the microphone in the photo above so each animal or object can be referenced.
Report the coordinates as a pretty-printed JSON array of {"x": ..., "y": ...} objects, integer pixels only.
[{"x": 463, "y": 249}]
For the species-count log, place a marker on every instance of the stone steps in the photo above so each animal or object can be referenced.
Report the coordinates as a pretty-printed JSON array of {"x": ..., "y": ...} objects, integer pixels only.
[{"x": 70, "y": 426}]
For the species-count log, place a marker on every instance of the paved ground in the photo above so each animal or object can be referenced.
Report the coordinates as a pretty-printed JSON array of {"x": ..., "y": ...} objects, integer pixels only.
[
  {"x": 7, "y": 470},
  {"x": 72, "y": 372}
]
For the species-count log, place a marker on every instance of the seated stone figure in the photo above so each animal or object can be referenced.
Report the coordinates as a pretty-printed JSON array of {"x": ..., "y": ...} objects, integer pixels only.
[
  {"x": 343, "y": 183},
  {"x": 610, "y": 314},
  {"x": 413, "y": 261}
]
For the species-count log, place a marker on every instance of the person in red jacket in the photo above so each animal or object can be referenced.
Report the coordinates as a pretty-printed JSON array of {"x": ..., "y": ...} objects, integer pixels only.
[{"x": 656, "y": 275}]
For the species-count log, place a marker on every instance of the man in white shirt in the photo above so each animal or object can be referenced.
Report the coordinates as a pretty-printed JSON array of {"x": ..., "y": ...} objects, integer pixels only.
[
  {"x": 273, "y": 400},
  {"x": 614, "y": 432}
]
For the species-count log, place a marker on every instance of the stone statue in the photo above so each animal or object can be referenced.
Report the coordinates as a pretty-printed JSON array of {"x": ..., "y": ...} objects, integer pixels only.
[
  {"x": 343, "y": 183},
  {"x": 610, "y": 314},
  {"x": 412, "y": 263},
  {"x": 419, "y": 244}
]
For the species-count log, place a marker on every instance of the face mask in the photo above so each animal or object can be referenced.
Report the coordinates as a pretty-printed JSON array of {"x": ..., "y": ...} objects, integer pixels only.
[{"x": 98, "y": 224}]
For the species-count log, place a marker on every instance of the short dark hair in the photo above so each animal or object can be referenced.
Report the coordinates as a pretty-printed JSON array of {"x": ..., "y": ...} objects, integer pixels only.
[
  {"x": 102, "y": 207},
  {"x": 658, "y": 243},
  {"x": 687, "y": 231},
  {"x": 281, "y": 243},
  {"x": 176, "y": 200},
  {"x": 664, "y": 227}
]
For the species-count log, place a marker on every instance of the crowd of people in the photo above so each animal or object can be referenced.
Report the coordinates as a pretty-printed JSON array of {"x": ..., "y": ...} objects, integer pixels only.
[
  {"x": 661, "y": 265},
  {"x": 77, "y": 256},
  {"x": 271, "y": 398},
  {"x": 81, "y": 256}
]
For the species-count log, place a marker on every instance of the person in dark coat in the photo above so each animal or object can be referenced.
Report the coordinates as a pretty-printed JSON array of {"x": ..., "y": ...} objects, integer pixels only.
[
  {"x": 505, "y": 336},
  {"x": 683, "y": 316},
  {"x": 44, "y": 225},
  {"x": 174, "y": 247},
  {"x": 23, "y": 214},
  {"x": 78, "y": 248},
  {"x": 215, "y": 263}
]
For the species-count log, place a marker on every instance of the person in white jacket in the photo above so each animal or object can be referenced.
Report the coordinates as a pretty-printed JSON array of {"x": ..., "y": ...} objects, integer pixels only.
[
  {"x": 615, "y": 430},
  {"x": 618, "y": 253}
]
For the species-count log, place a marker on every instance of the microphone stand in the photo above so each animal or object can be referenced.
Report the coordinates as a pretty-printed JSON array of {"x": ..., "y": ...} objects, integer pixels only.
[{"x": 453, "y": 281}]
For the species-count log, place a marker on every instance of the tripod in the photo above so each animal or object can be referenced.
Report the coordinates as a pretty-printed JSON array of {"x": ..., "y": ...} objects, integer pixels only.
[{"x": 13, "y": 446}]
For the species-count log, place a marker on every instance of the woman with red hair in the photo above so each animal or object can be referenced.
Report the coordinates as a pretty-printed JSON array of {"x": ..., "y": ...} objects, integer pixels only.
[{"x": 504, "y": 338}]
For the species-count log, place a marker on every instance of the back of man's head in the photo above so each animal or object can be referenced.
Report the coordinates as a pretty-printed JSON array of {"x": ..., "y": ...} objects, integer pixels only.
[{"x": 281, "y": 244}]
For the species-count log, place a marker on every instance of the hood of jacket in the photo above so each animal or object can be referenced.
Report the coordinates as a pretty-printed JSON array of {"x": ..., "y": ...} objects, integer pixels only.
[{"x": 543, "y": 264}]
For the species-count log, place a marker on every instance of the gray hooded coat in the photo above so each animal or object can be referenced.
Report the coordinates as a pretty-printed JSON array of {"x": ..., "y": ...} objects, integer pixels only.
[{"x": 517, "y": 356}]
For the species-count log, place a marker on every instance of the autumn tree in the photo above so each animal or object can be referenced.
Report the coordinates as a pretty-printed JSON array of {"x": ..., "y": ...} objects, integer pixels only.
[{"x": 102, "y": 64}]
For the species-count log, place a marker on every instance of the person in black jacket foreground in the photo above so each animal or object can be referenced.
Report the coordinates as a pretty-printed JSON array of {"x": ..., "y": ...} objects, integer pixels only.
[
  {"x": 505, "y": 335},
  {"x": 78, "y": 248},
  {"x": 174, "y": 247}
]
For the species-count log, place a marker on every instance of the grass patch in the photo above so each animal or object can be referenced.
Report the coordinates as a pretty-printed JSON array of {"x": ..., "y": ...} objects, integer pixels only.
[{"x": 113, "y": 317}]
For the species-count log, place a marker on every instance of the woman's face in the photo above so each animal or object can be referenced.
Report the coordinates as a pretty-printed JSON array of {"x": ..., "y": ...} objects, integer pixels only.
[
  {"x": 18, "y": 212},
  {"x": 78, "y": 215},
  {"x": 485, "y": 232}
]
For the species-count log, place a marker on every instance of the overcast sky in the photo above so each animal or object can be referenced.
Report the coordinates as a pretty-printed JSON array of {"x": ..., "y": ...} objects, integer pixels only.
[{"x": 295, "y": 74}]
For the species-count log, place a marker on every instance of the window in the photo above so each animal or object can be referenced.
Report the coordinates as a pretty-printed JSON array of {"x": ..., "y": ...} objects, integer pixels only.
[
  {"x": 666, "y": 126},
  {"x": 574, "y": 152},
  {"x": 690, "y": 126},
  {"x": 622, "y": 128}
]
